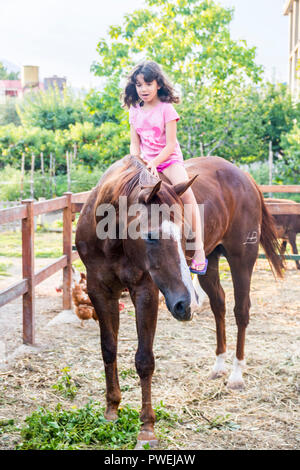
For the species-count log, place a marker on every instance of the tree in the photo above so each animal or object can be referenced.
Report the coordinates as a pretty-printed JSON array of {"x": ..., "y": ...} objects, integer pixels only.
[
  {"x": 8, "y": 112},
  {"x": 52, "y": 109},
  {"x": 288, "y": 163},
  {"x": 191, "y": 40},
  {"x": 5, "y": 75},
  {"x": 280, "y": 113}
]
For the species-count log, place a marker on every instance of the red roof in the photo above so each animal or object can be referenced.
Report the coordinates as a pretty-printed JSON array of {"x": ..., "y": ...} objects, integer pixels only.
[{"x": 11, "y": 84}]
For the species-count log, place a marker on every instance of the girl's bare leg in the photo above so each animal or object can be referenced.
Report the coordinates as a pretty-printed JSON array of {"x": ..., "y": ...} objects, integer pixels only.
[{"x": 177, "y": 174}]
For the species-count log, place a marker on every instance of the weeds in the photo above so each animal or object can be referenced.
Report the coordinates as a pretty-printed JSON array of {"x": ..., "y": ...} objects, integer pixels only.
[
  {"x": 66, "y": 385},
  {"x": 86, "y": 428},
  {"x": 219, "y": 422},
  {"x": 127, "y": 373}
]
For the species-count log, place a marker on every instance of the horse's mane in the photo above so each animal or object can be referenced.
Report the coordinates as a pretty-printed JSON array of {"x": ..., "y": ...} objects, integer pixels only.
[{"x": 131, "y": 174}]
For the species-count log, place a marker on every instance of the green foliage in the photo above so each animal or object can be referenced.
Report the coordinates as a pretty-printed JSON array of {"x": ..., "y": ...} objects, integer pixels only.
[
  {"x": 52, "y": 109},
  {"x": 219, "y": 422},
  {"x": 222, "y": 111},
  {"x": 288, "y": 165},
  {"x": 82, "y": 179},
  {"x": 279, "y": 113},
  {"x": 5, "y": 75},
  {"x": 8, "y": 113},
  {"x": 6, "y": 426},
  {"x": 96, "y": 147},
  {"x": 46, "y": 245},
  {"x": 260, "y": 173},
  {"x": 66, "y": 385},
  {"x": 164, "y": 416},
  {"x": 105, "y": 106},
  {"x": 190, "y": 39},
  {"x": 79, "y": 428},
  {"x": 15, "y": 140},
  {"x": 225, "y": 108},
  {"x": 3, "y": 272},
  {"x": 86, "y": 428}
]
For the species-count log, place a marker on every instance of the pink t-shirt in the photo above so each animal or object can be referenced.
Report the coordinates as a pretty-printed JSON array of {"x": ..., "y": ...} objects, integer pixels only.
[{"x": 150, "y": 125}]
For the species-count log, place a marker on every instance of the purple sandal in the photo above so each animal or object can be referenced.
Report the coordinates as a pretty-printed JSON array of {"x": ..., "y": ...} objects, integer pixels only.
[{"x": 196, "y": 271}]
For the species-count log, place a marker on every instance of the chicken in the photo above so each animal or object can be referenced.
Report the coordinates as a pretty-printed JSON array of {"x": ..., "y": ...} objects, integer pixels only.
[{"x": 83, "y": 306}]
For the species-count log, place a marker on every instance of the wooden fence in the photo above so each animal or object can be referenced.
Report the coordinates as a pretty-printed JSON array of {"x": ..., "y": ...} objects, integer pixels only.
[{"x": 70, "y": 204}]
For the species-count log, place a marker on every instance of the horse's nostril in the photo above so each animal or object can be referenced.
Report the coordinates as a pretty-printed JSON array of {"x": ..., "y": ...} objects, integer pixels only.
[{"x": 180, "y": 308}]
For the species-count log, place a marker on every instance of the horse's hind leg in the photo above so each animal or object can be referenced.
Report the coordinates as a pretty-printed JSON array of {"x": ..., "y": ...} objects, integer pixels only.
[
  {"x": 210, "y": 283},
  {"x": 241, "y": 267},
  {"x": 283, "y": 247},
  {"x": 292, "y": 240},
  {"x": 107, "y": 310}
]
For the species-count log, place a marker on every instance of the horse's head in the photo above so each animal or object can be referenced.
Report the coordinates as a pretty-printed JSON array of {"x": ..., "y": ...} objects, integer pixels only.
[{"x": 159, "y": 245}]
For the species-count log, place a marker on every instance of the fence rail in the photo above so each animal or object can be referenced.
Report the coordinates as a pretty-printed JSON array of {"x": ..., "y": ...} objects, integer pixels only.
[{"x": 70, "y": 204}]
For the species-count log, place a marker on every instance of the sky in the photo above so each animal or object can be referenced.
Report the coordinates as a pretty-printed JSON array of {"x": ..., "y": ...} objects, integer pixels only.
[{"x": 61, "y": 36}]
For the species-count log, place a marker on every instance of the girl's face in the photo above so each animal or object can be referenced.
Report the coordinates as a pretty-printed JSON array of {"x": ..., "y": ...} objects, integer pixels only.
[{"x": 147, "y": 91}]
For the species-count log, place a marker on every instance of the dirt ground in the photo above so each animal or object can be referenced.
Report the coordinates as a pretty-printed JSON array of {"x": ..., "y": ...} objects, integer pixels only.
[{"x": 263, "y": 416}]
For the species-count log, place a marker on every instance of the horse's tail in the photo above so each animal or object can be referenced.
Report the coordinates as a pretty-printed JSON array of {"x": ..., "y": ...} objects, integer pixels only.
[{"x": 268, "y": 238}]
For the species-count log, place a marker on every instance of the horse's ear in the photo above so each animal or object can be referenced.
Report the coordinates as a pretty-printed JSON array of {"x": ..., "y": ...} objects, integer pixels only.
[
  {"x": 180, "y": 188},
  {"x": 148, "y": 192}
]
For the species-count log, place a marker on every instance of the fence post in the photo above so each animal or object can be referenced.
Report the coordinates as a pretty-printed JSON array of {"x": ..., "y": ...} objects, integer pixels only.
[
  {"x": 28, "y": 273},
  {"x": 67, "y": 250}
]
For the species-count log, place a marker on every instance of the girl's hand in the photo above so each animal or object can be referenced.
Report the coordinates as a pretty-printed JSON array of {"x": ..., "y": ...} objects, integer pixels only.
[{"x": 152, "y": 168}]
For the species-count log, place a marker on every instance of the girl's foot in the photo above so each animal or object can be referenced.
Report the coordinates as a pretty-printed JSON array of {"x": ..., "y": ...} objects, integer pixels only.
[{"x": 199, "y": 265}]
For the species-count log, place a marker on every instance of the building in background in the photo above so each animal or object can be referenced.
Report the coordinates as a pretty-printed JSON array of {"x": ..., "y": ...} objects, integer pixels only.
[
  {"x": 10, "y": 89},
  {"x": 292, "y": 9},
  {"x": 29, "y": 81},
  {"x": 55, "y": 82}
]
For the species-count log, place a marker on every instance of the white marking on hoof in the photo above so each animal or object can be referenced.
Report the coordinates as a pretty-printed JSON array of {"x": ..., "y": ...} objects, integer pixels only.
[
  {"x": 219, "y": 369},
  {"x": 235, "y": 380}
]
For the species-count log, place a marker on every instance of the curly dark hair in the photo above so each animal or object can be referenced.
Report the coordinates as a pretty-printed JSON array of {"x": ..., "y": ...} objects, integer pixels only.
[{"x": 151, "y": 71}]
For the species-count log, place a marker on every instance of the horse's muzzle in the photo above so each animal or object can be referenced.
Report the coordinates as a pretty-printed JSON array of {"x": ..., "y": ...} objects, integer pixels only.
[{"x": 180, "y": 308}]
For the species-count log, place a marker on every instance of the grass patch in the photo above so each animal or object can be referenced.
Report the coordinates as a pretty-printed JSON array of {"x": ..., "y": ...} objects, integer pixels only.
[
  {"x": 66, "y": 385},
  {"x": 220, "y": 423},
  {"x": 3, "y": 269},
  {"x": 86, "y": 428},
  {"x": 46, "y": 244}
]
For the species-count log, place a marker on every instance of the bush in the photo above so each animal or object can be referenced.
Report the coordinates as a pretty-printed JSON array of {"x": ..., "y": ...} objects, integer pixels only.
[{"x": 82, "y": 179}]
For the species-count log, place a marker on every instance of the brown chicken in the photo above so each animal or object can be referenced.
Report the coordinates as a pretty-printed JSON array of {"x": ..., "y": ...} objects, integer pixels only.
[{"x": 82, "y": 304}]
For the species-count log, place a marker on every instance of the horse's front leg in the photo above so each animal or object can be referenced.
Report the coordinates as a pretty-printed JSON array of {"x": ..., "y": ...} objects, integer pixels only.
[
  {"x": 107, "y": 309},
  {"x": 145, "y": 299}
]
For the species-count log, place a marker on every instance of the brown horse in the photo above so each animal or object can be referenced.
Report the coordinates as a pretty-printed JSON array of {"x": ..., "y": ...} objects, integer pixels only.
[
  {"x": 287, "y": 227},
  {"x": 236, "y": 221}
]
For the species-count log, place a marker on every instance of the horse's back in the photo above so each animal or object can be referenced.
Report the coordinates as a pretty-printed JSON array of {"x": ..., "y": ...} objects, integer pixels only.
[{"x": 220, "y": 179}]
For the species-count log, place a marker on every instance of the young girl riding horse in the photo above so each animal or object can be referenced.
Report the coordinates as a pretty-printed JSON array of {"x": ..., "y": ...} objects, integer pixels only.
[{"x": 149, "y": 97}]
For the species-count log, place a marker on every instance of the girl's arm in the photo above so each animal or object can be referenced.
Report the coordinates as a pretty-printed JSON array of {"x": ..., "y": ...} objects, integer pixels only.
[
  {"x": 171, "y": 129},
  {"x": 135, "y": 148}
]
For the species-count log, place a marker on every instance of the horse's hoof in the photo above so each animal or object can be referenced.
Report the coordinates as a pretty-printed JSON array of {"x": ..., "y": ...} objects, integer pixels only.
[
  {"x": 144, "y": 445},
  {"x": 217, "y": 375},
  {"x": 236, "y": 385},
  {"x": 111, "y": 415},
  {"x": 145, "y": 440}
]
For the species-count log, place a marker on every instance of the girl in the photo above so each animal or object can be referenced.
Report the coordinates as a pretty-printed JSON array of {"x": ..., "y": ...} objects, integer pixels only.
[{"x": 149, "y": 97}]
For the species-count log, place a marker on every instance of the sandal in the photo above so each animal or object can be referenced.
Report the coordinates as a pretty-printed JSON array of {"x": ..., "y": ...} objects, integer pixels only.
[{"x": 193, "y": 267}]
